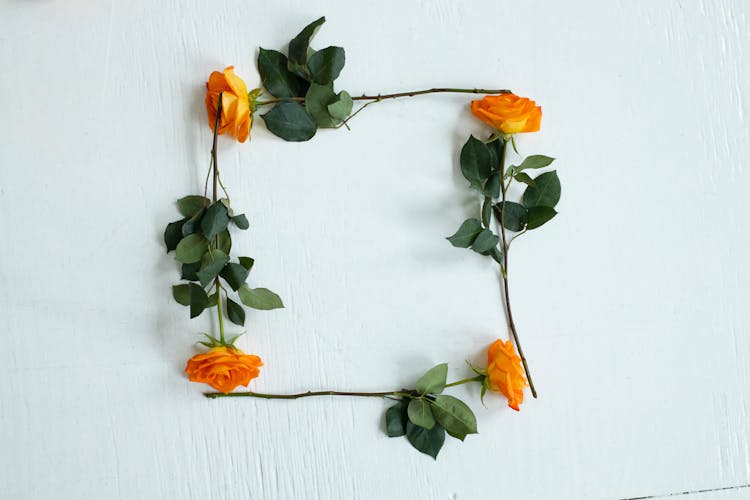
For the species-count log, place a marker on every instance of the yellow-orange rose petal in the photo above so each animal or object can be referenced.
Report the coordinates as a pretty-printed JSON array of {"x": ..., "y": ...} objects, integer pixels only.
[
  {"x": 508, "y": 113},
  {"x": 236, "y": 118},
  {"x": 505, "y": 373},
  {"x": 223, "y": 368}
]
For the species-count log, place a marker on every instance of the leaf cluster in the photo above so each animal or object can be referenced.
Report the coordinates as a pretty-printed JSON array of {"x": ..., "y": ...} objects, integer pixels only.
[
  {"x": 202, "y": 243},
  {"x": 482, "y": 164},
  {"x": 425, "y": 415},
  {"x": 303, "y": 81}
]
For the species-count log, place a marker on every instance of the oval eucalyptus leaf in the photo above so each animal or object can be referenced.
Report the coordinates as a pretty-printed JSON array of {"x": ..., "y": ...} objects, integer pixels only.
[
  {"x": 395, "y": 425},
  {"x": 198, "y": 300},
  {"x": 235, "y": 275},
  {"x": 434, "y": 380},
  {"x": 193, "y": 223},
  {"x": 326, "y": 64},
  {"x": 173, "y": 234},
  {"x": 225, "y": 242},
  {"x": 212, "y": 263},
  {"x": 259, "y": 298},
  {"x": 275, "y": 75},
  {"x": 191, "y": 248},
  {"x": 545, "y": 193},
  {"x": 475, "y": 162},
  {"x": 420, "y": 413},
  {"x": 189, "y": 271},
  {"x": 341, "y": 108},
  {"x": 241, "y": 221},
  {"x": 455, "y": 416},
  {"x": 317, "y": 99},
  {"x": 290, "y": 121},
  {"x": 539, "y": 216},
  {"x": 428, "y": 441},
  {"x": 181, "y": 294},
  {"x": 235, "y": 312},
  {"x": 534, "y": 161},
  {"x": 515, "y": 216},
  {"x": 485, "y": 242},
  {"x": 247, "y": 262},
  {"x": 466, "y": 234},
  {"x": 215, "y": 220},
  {"x": 300, "y": 44},
  {"x": 192, "y": 204}
]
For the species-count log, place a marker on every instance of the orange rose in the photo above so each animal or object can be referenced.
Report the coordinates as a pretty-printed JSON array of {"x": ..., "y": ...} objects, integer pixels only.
[
  {"x": 235, "y": 104},
  {"x": 504, "y": 372},
  {"x": 223, "y": 368},
  {"x": 508, "y": 113}
]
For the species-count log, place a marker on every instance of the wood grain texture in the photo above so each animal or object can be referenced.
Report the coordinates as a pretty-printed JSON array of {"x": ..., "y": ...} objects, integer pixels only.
[{"x": 640, "y": 355}]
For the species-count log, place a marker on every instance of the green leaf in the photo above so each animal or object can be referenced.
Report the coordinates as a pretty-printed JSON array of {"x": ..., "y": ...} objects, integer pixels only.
[
  {"x": 316, "y": 103},
  {"x": 247, "y": 262},
  {"x": 539, "y": 216},
  {"x": 455, "y": 416},
  {"x": 235, "y": 312},
  {"x": 395, "y": 424},
  {"x": 300, "y": 44},
  {"x": 428, "y": 441},
  {"x": 475, "y": 162},
  {"x": 189, "y": 271},
  {"x": 181, "y": 294},
  {"x": 420, "y": 413},
  {"x": 326, "y": 65},
  {"x": 235, "y": 275},
  {"x": 515, "y": 216},
  {"x": 193, "y": 223},
  {"x": 212, "y": 263},
  {"x": 215, "y": 220},
  {"x": 191, "y": 248},
  {"x": 241, "y": 221},
  {"x": 198, "y": 300},
  {"x": 485, "y": 242},
  {"x": 534, "y": 161},
  {"x": 173, "y": 234},
  {"x": 524, "y": 177},
  {"x": 225, "y": 242},
  {"x": 290, "y": 121},
  {"x": 341, "y": 107},
  {"x": 260, "y": 298},
  {"x": 546, "y": 193},
  {"x": 275, "y": 75},
  {"x": 191, "y": 205},
  {"x": 213, "y": 299},
  {"x": 466, "y": 234},
  {"x": 492, "y": 186},
  {"x": 434, "y": 380},
  {"x": 497, "y": 150}
]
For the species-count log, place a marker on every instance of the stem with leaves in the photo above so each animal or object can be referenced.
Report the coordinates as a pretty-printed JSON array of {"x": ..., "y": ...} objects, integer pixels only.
[
  {"x": 504, "y": 266},
  {"x": 383, "y": 394},
  {"x": 216, "y": 181},
  {"x": 412, "y": 93}
]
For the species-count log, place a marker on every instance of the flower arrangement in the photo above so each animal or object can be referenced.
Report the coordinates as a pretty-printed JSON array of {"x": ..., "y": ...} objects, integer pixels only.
[{"x": 302, "y": 100}]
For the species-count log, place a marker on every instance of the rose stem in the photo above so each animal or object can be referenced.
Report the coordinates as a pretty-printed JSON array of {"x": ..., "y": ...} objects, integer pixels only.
[
  {"x": 504, "y": 271},
  {"x": 219, "y": 311},
  {"x": 403, "y": 394},
  {"x": 382, "y": 97}
]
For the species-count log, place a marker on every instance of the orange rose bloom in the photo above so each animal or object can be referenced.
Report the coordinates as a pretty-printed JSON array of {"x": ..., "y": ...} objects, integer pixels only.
[
  {"x": 235, "y": 104},
  {"x": 505, "y": 373},
  {"x": 508, "y": 113},
  {"x": 223, "y": 368}
]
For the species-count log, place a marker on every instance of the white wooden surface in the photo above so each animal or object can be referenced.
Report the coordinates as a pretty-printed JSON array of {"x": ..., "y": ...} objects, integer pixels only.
[{"x": 632, "y": 303}]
